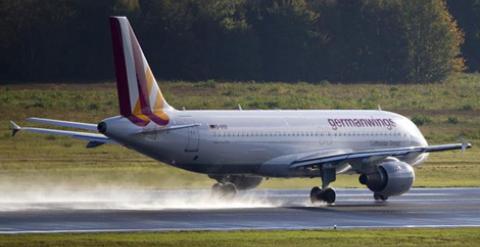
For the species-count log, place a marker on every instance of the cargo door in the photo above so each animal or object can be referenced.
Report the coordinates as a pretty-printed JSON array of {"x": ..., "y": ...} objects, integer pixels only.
[{"x": 193, "y": 140}]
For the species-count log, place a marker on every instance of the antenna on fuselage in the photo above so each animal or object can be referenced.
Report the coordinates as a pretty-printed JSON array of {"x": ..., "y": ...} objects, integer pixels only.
[
  {"x": 379, "y": 107},
  {"x": 240, "y": 107}
]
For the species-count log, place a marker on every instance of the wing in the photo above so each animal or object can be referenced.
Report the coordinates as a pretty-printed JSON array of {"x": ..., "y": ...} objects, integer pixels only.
[
  {"x": 372, "y": 156},
  {"x": 94, "y": 139}
]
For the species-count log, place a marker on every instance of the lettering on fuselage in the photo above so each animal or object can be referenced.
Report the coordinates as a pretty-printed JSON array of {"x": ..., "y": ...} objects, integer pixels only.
[{"x": 336, "y": 123}]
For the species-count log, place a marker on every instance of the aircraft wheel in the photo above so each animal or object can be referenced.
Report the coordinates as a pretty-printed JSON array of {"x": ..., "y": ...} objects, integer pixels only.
[
  {"x": 315, "y": 195},
  {"x": 318, "y": 195},
  {"x": 224, "y": 190},
  {"x": 229, "y": 190},
  {"x": 329, "y": 195},
  {"x": 216, "y": 189},
  {"x": 380, "y": 198}
]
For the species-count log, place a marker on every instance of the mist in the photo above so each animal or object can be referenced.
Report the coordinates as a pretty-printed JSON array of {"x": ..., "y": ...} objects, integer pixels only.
[{"x": 24, "y": 196}]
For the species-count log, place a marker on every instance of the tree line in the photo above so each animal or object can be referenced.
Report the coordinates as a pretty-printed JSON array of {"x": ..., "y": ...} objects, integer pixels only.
[{"x": 263, "y": 40}]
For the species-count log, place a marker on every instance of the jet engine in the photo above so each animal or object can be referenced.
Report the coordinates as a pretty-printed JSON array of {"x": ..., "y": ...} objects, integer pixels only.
[
  {"x": 241, "y": 182},
  {"x": 391, "y": 178}
]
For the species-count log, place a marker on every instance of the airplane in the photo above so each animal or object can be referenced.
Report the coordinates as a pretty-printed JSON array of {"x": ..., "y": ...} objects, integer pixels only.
[{"x": 240, "y": 148}]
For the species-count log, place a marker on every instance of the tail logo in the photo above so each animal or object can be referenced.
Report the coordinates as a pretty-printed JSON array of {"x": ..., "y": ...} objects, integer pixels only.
[{"x": 141, "y": 100}]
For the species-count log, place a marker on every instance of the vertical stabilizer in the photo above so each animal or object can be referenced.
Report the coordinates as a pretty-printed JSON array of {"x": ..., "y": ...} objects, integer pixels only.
[{"x": 140, "y": 98}]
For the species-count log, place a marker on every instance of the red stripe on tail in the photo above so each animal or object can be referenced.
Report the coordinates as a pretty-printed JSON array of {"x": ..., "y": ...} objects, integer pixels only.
[{"x": 120, "y": 70}]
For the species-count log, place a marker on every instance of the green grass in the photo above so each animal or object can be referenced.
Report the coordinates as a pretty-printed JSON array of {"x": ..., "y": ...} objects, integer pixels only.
[
  {"x": 447, "y": 110},
  {"x": 339, "y": 238}
]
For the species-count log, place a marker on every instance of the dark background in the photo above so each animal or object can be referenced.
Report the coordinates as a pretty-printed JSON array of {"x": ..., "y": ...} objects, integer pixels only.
[{"x": 280, "y": 40}]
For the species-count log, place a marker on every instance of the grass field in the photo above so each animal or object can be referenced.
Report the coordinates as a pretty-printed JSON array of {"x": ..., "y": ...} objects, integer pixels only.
[
  {"x": 339, "y": 238},
  {"x": 446, "y": 110}
]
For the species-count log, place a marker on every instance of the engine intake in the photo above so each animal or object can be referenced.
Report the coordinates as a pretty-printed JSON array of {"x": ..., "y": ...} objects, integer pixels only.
[{"x": 391, "y": 178}]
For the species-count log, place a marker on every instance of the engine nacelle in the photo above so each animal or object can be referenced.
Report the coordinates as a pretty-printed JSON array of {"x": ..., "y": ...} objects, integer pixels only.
[
  {"x": 391, "y": 178},
  {"x": 241, "y": 182}
]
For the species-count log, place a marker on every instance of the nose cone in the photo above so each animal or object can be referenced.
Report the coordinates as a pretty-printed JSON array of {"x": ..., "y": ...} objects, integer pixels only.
[{"x": 417, "y": 137}]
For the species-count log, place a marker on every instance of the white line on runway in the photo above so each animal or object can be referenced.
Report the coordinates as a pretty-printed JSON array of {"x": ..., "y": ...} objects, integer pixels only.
[{"x": 226, "y": 229}]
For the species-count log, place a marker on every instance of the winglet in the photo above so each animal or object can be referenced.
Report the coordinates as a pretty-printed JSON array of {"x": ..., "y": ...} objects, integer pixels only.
[{"x": 14, "y": 127}]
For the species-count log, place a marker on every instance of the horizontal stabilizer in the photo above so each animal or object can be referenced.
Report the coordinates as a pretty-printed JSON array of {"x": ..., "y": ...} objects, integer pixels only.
[
  {"x": 61, "y": 123},
  {"x": 90, "y": 137}
]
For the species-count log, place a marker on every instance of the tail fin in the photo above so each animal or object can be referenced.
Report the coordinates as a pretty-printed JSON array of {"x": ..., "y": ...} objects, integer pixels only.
[{"x": 140, "y": 98}]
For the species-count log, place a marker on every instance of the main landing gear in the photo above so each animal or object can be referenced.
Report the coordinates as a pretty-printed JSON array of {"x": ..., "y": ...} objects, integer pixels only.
[
  {"x": 224, "y": 190},
  {"x": 325, "y": 194},
  {"x": 322, "y": 195}
]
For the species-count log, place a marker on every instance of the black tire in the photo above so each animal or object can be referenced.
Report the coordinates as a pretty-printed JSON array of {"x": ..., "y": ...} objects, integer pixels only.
[
  {"x": 329, "y": 195},
  {"x": 224, "y": 191},
  {"x": 318, "y": 195},
  {"x": 229, "y": 191},
  {"x": 217, "y": 189},
  {"x": 315, "y": 195},
  {"x": 380, "y": 198}
]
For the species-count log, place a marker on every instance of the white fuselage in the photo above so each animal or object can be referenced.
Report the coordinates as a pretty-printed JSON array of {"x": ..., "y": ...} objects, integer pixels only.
[{"x": 265, "y": 142}]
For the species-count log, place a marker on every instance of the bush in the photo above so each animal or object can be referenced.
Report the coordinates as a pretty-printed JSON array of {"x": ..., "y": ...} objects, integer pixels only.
[
  {"x": 50, "y": 137},
  {"x": 467, "y": 107},
  {"x": 92, "y": 107},
  {"x": 452, "y": 120},
  {"x": 206, "y": 84},
  {"x": 420, "y": 120},
  {"x": 323, "y": 83}
]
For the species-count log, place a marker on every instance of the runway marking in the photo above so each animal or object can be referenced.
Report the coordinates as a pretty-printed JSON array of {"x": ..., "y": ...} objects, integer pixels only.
[{"x": 227, "y": 229}]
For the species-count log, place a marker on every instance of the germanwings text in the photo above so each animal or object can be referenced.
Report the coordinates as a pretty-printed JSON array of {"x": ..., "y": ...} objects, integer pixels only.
[{"x": 336, "y": 123}]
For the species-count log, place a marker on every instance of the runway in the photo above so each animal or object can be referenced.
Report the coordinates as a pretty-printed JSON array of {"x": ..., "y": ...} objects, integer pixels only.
[{"x": 261, "y": 209}]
